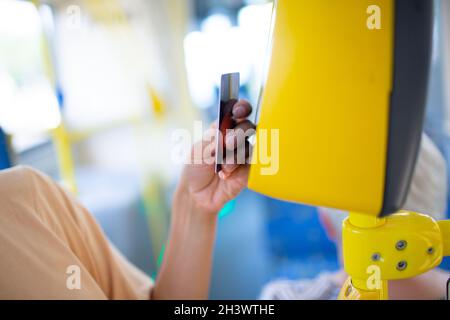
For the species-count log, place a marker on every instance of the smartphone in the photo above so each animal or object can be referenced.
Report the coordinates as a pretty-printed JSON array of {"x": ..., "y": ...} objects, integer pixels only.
[{"x": 229, "y": 95}]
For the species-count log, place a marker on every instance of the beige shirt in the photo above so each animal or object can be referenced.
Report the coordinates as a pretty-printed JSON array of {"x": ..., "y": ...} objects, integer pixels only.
[{"x": 50, "y": 245}]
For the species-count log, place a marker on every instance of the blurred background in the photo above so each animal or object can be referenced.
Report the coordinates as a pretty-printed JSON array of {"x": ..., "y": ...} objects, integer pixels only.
[{"x": 91, "y": 91}]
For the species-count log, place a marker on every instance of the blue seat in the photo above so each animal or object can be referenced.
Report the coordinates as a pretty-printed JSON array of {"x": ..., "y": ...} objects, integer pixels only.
[{"x": 297, "y": 239}]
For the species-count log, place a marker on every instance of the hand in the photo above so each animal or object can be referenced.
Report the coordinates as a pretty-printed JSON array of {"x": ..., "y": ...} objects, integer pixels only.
[{"x": 207, "y": 190}]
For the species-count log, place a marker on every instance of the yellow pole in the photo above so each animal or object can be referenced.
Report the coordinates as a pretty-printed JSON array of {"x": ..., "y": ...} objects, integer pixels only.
[
  {"x": 60, "y": 136},
  {"x": 63, "y": 150}
]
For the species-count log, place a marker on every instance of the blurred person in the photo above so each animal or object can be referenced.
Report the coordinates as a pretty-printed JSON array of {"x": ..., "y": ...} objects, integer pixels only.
[
  {"x": 46, "y": 235},
  {"x": 427, "y": 195}
]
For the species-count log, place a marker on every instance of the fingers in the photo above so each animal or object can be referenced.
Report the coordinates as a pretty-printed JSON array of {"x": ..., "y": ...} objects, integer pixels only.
[
  {"x": 227, "y": 170},
  {"x": 236, "y": 142},
  {"x": 237, "y": 137},
  {"x": 223, "y": 175},
  {"x": 245, "y": 125},
  {"x": 242, "y": 173},
  {"x": 236, "y": 159},
  {"x": 239, "y": 173},
  {"x": 241, "y": 110}
]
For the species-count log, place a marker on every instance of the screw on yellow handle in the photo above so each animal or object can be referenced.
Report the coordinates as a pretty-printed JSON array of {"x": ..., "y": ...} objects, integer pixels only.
[{"x": 399, "y": 246}]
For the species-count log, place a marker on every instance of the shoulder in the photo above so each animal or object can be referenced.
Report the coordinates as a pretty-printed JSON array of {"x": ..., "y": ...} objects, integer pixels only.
[{"x": 19, "y": 180}]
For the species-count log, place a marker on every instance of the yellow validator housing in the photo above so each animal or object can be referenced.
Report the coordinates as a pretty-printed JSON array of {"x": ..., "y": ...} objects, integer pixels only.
[
  {"x": 345, "y": 91},
  {"x": 329, "y": 92}
]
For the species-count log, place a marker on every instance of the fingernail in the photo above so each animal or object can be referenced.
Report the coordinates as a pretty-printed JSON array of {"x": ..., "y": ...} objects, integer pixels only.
[
  {"x": 239, "y": 112},
  {"x": 222, "y": 175}
]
